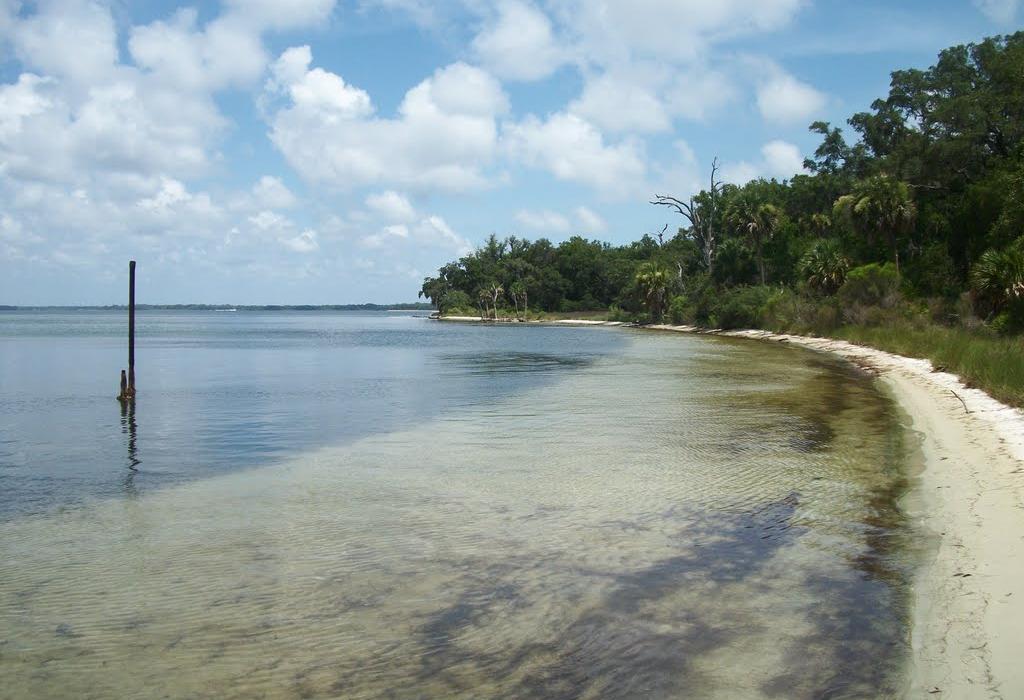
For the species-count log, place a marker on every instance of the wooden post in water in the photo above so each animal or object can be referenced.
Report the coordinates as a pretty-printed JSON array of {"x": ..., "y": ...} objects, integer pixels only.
[
  {"x": 128, "y": 383},
  {"x": 131, "y": 328}
]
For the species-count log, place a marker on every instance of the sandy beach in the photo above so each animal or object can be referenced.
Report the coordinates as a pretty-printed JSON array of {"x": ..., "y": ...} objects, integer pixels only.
[{"x": 968, "y": 500}]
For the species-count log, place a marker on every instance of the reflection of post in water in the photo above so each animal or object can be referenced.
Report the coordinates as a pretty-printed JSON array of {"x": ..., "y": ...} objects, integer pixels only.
[{"x": 128, "y": 427}]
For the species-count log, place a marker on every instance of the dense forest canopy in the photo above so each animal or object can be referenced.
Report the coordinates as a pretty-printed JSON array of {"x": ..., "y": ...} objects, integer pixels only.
[{"x": 922, "y": 198}]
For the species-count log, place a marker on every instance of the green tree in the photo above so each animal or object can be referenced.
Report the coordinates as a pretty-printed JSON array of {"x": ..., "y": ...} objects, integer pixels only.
[
  {"x": 817, "y": 223},
  {"x": 454, "y": 300},
  {"x": 652, "y": 283},
  {"x": 434, "y": 289},
  {"x": 933, "y": 182},
  {"x": 483, "y": 299},
  {"x": 758, "y": 221},
  {"x": 832, "y": 154},
  {"x": 824, "y": 267},
  {"x": 517, "y": 290},
  {"x": 495, "y": 290},
  {"x": 879, "y": 205},
  {"x": 998, "y": 276}
]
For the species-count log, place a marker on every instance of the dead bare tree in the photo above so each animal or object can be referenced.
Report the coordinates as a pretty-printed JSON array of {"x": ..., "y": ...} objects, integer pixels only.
[
  {"x": 701, "y": 218},
  {"x": 661, "y": 235}
]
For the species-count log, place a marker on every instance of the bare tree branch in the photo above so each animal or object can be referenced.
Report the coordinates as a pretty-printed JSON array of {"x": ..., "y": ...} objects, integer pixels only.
[
  {"x": 661, "y": 235},
  {"x": 701, "y": 222}
]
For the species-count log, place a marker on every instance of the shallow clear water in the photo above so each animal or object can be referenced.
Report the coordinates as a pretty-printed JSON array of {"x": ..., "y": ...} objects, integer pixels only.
[
  {"x": 221, "y": 391},
  {"x": 464, "y": 512}
]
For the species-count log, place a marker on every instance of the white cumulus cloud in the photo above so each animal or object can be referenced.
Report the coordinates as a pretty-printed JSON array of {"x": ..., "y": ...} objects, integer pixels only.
[
  {"x": 544, "y": 220},
  {"x": 583, "y": 220},
  {"x": 184, "y": 55},
  {"x": 779, "y": 159},
  {"x": 783, "y": 99},
  {"x": 590, "y": 221},
  {"x": 519, "y": 43},
  {"x": 674, "y": 30},
  {"x": 270, "y": 192},
  {"x": 391, "y": 206},
  {"x": 573, "y": 149},
  {"x": 305, "y": 242},
  {"x": 443, "y": 137},
  {"x": 782, "y": 159},
  {"x": 315, "y": 92},
  {"x": 621, "y": 103}
]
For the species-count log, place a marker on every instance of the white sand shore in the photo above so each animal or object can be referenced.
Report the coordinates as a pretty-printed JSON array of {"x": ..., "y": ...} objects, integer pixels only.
[
  {"x": 559, "y": 322},
  {"x": 968, "y": 617}
]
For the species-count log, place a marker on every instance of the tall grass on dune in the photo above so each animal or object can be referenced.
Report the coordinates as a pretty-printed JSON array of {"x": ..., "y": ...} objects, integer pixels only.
[{"x": 992, "y": 363}]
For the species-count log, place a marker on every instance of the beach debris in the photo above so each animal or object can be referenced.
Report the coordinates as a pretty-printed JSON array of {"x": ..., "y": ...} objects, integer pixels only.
[{"x": 966, "y": 410}]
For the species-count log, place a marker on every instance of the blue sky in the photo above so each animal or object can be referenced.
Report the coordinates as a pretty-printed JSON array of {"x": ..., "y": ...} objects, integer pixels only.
[{"x": 314, "y": 151}]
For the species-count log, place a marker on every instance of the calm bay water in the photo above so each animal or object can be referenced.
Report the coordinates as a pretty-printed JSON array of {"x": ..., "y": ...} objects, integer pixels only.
[
  {"x": 379, "y": 506},
  {"x": 222, "y": 391}
]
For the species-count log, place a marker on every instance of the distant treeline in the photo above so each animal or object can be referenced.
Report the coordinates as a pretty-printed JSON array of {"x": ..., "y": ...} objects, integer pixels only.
[
  {"x": 920, "y": 216},
  {"x": 412, "y": 306}
]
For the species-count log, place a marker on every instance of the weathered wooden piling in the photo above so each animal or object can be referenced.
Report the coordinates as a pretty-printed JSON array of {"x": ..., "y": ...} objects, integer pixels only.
[
  {"x": 128, "y": 382},
  {"x": 131, "y": 327}
]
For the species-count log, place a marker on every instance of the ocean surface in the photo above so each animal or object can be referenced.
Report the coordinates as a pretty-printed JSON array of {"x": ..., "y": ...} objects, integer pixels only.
[{"x": 357, "y": 505}]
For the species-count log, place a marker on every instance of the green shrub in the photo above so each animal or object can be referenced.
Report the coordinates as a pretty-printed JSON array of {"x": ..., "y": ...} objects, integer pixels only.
[
  {"x": 702, "y": 296},
  {"x": 741, "y": 307},
  {"x": 869, "y": 290},
  {"x": 789, "y": 312},
  {"x": 680, "y": 310},
  {"x": 872, "y": 285},
  {"x": 617, "y": 313},
  {"x": 1011, "y": 319},
  {"x": 587, "y": 303}
]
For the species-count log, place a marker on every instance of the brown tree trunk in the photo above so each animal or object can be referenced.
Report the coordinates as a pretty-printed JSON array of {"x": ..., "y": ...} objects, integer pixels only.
[{"x": 760, "y": 262}]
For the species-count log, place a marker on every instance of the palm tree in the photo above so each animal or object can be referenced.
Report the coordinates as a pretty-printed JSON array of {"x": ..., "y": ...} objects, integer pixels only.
[
  {"x": 818, "y": 223},
  {"x": 495, "y": 290},
  {"x": 824, "y": 267},
  {"x": 879, "y": 204},
  {"x": 482, "y": 297},
  {"x": 998, "y": 276},
  {"x": 758, "y": 221},
  {"x": 652, "y": 282},
  {"x": 517, "y": 291}
]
